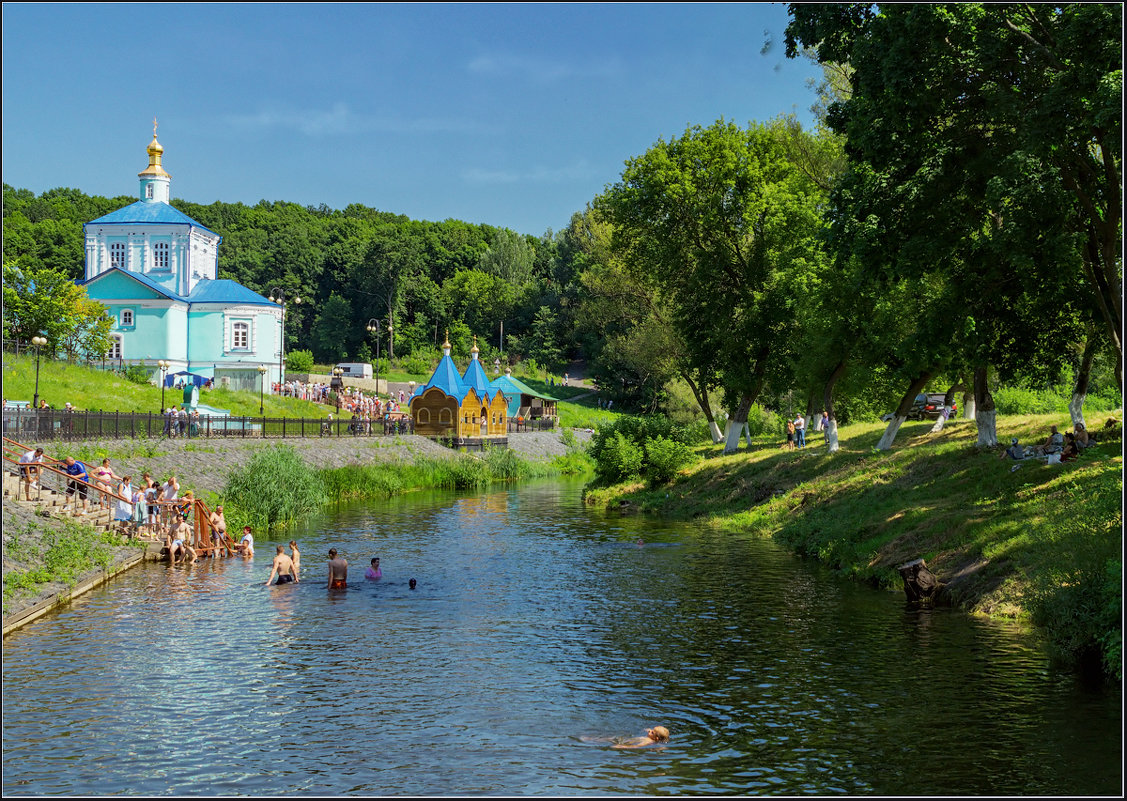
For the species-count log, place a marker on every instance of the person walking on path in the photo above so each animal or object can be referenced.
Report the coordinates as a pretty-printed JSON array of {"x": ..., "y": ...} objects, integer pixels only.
[
  {"x": 29, "y": 470},
  {"x": 338, "y": 571}
]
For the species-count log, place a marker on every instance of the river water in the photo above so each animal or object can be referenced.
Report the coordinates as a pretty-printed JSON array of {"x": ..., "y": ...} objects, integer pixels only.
[{"x": 538, "y": 626}]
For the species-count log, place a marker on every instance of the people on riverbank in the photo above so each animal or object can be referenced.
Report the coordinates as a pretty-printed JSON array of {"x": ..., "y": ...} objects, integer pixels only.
[
  {"x": 282, "y": 567},
  {"x": 1054, "y": 443},
  {"x": 179, "y": 541},
  {"x": 123, "y": 506},
  {"x": 1015, "y": 451},
  {"x": 76, "y": 485},
  {"x": 338, "y": 571},
  {"x": 790, "y": 436},
  {"x": 103, "y": 475},
  {"x": 29, "y": 470},
  {"x": 374, "y": 571},
  {"x": 800, "y": 431}
]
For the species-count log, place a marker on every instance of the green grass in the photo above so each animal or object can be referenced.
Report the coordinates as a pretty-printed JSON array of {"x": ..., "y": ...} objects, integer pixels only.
[
  {"x": 1036, "y": 543},
  {"x": 87, "y": 388},
  {"x": 64, "y": 554}
]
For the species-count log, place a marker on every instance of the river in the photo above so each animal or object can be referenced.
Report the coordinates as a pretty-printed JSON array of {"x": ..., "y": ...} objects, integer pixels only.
[{"x": 538, "y": 626}]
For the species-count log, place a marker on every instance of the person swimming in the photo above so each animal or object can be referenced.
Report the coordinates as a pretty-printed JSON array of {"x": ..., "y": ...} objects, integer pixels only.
[
  {"x": 374, "y": 571},
  {"x": 658, "y": 734},
  {"x": 411, "y": 584}
]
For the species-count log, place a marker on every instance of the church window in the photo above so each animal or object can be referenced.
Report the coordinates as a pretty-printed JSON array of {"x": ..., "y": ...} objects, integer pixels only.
[
  {"x": 126, "y": 318},
  {"x": 240, "y": 336},
  {"x": 149, "y": 191},
  {"x": 116, "y": 349},
  {"x": 424, "y": 415},
  {"x": 160, "y": 256},
  {"x": 117, "y": 255},
  {"x": 444, "y": 416}
]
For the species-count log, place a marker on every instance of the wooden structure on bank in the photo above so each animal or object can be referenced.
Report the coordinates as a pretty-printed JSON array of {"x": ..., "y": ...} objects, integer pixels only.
[{"x": 460, "y": 406}]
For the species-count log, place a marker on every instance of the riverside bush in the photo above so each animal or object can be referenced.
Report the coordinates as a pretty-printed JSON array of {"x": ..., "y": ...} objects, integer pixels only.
[
  {"x": 664, "y": 458},
  {"x": 619, "y": 458},
  {"x": 619, "y": 448},
  {"x": 275, "y": 488},
  {"x": 299, "y": 361}
]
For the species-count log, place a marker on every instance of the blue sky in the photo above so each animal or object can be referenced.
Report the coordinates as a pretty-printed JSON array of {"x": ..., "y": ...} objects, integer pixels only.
[{"x": 511, "y": 115}]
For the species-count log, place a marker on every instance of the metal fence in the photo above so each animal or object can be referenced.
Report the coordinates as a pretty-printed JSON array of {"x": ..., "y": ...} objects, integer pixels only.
[{"x": 28, "y": 425}]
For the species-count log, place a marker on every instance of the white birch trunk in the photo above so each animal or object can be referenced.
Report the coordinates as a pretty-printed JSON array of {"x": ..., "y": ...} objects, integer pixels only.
[
  {"x": 732, "y": 437},
  {"x": 1076, "y": 409},
  {"x": 987, "y": 431},
  {"x": 714, "y": 429},
  {"x": 941, "y": 420},
  {"x": 969, "y": 408},
  {"x": 831, "y": 436},
  {"x": 890, "y": 433}
]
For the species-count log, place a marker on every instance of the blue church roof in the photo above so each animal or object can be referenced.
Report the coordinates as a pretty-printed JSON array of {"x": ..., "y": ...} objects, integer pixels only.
[
  {"x": 475, "y": 377},
  {"x": 149, "y": 211},
  {"x": 139, "y": 278},
  {"x": 446, "y": 378},
  {"x": 224, "y": 290}
]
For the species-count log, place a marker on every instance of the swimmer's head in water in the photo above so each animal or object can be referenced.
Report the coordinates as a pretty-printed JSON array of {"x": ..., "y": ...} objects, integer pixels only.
[
  {"x": 659, "y": 733},
  {"x": 411, "y": 583},
  {"x": 332, "y": 553},
  {"x": 375, "y": 561}
]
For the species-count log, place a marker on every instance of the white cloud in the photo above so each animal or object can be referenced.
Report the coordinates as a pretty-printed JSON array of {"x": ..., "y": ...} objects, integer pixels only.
[
  {"x": 542, "y": 70},
  {"x": 577, "y": 171},
  {"x": 340, "y": 119}
]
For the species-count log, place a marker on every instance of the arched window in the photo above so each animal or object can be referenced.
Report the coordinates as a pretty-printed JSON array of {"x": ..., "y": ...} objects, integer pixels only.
[
  {"x": 116, "y": 350},
  {"x": 424, "y": 415},
  {"x": 117, "y": 255},
  {"x": 444, "y": 416},
  {"x": 240, "y": 336},
  {"x": 160, "y": 256},
  {"x": 127, "y": 318},
  {"x": 149, "y": 191}
]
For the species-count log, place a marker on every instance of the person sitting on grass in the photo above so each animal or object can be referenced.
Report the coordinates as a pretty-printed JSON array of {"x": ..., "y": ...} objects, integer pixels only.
[
  {"x": 1015, "y": 451},
  {"x": 1054, "y": 443},
  {"x": 1070, "y": 451},
  {"x": 179, "y": 541},
  {"x": 1083, "y": 439}
]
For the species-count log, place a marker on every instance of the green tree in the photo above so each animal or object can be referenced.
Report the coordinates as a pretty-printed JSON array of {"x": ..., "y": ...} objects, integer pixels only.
[
  {"x": 331, "y": 342},
  {"x": 726, "y": 222},
  {"x": 46, "y": 301}
]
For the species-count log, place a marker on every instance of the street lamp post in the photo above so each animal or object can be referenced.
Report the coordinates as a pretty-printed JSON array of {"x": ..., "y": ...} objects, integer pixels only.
[
  {"x": 38, "y": 342},
  {"x": 163, "y": 365},
  {"x": 374, "y": 326},
  {"x": 261, "y": 388},
  {"x": 278, "y": 295}
]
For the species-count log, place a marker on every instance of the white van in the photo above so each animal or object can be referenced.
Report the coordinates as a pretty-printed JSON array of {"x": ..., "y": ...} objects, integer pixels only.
[{"x": 355, "y": 369}]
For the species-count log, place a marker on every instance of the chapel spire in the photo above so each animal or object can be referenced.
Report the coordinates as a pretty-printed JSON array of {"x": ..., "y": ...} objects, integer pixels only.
[{"x": 154, "y": 180}]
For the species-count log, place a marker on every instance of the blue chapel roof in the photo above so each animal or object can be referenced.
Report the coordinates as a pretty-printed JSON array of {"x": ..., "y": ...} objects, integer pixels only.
[
  {"x": 149, "y": 211},
  {"x": 224, "y": 290},
  {"x": 475, "y": 377},
  {"x": 446, "y": 378}
]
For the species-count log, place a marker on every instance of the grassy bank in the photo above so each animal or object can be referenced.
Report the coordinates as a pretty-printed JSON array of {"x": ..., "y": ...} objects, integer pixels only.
[
  {"x": 276, "y": 487},
  {"x": 87, "y": 388},
  {"x": 61, "y": 552},
  {"x": 1041, "y": 543}
]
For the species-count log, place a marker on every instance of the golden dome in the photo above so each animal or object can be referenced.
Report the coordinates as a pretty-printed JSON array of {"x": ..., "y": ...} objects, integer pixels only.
[
  {"x": 155, "y": 151},
  {"x": 474, "y": 348}
]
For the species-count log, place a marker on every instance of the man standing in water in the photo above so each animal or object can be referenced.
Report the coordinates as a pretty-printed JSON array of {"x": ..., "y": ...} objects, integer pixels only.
[
  {"x": 219, "y": 532},
  {"x": 283, "y": 568},
  {"x": 338, "y": 571}
]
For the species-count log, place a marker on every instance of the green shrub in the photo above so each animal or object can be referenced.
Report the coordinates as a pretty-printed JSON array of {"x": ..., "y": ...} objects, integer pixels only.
[
  {"x": 664, "y": 457},
  {"x": 1021, "y": 400},
  {"x": 763, "y": 421},
  {"x": 420, "y": 363},
  {"x": 138, "y": 374},
  {"x": 275, "y": 488},
  {"x": 619, "y": 458},
  {"x": 300, "y": 361}
]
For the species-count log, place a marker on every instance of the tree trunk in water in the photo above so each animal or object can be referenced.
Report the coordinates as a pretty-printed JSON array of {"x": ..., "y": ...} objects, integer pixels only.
[
  {"x": 905, "y": 406},
  {"x": 736, "y": 423},
  {"x": 701, "y": 394},
  {"x": 828, "y": 404},
  {"x": 1080, "y": 387},
  {"x": 948, "y": 399},
  {"x": 984, "y": 414}
]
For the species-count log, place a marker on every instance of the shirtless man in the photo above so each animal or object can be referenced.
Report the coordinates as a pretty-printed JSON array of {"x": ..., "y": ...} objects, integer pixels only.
[
  {"x": 282, "y": 568},
  {"x": 179, "y": 540},
  {"x": 338, "y": 571},
  {"x": 219, "y": 531},
  {"x": 296, "y": 557}
]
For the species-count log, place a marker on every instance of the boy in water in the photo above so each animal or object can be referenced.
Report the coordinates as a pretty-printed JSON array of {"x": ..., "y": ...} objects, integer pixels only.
[
  {"x": 658, "y": 734},
  {"x": 282, "y": 568}
]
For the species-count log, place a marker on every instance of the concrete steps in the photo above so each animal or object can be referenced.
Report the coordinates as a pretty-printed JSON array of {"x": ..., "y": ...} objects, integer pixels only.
[{"x": 52, "y": 502}]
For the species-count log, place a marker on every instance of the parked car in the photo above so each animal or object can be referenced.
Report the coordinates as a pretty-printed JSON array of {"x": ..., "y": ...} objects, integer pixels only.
[{"x": 927, "y": 405}]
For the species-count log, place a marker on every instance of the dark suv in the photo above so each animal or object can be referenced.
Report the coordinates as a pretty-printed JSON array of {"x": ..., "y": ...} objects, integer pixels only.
[{"x": 930, "y": 405}]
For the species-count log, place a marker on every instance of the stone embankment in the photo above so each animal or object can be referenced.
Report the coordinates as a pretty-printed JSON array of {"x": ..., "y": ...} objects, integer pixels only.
[{"x": 203, "y": 466}]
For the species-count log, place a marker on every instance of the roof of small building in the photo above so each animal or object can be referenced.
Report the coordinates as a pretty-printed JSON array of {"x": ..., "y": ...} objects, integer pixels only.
[
  {"x": 148, "y": 211},
  {"x": 445, "y": 377},
  {"x": 224, "y": 290},
  {"x": 475, "y": 377},
  {"x": 510, "y": 385},
  {"x": 139, "y": 278}
]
